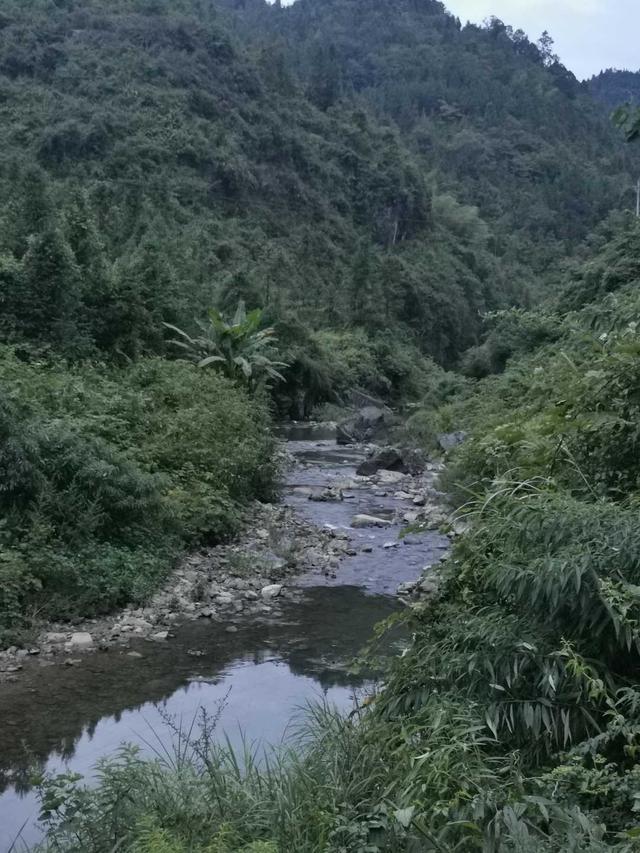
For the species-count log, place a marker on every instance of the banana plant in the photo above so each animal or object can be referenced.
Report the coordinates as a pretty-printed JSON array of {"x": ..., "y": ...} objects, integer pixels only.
[{"x": 239, "y": 347}]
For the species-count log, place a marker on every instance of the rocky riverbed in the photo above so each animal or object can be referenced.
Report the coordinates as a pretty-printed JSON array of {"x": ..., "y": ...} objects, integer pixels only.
[
  {"x": 250, "y": 577},
  {"x": 259, "y": 626}
]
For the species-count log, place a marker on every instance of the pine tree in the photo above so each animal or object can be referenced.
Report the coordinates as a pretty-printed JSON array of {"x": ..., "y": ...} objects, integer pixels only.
[
  {"x": 33, "y": 211},
  {"x": 51, "y": 308}
]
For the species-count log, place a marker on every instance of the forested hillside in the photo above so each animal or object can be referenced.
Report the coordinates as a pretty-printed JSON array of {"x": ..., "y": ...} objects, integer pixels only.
[
  {"x": 221, "y": 212},
  {"x": 504, "y": 125},
  {"x": 613, "y": 87},
  {"x": 324, "y": 162},
  {"x": 155, "y": 166}
]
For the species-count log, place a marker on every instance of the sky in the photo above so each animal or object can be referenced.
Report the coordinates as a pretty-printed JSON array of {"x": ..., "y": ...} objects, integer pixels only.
[{"x": 589, "y": 34}]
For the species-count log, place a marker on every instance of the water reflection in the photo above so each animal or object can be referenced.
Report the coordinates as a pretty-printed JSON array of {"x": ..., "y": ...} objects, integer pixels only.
[{"x": 55, "y": 718}]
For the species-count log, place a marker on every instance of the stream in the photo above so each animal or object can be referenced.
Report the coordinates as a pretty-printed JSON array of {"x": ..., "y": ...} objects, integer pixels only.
[{"x": 262, "y": 673}]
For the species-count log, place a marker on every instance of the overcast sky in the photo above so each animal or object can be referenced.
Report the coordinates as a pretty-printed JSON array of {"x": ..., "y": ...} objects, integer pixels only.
[{"x": 590, "y": 34}]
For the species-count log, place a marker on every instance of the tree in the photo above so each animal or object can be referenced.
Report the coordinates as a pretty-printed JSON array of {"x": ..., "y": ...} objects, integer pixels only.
[
  {"x": 627, "y": 118},
  {"x": 240, "y": 348},
  {"x": 51, "y": 308},
  {"x": 545, "y": 46},
  {"x": 34, "y": 209}
]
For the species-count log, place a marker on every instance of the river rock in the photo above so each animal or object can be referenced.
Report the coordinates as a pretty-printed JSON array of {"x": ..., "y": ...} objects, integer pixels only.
[
  {"x": 361, "y": 521},
  {"x": 390, "y": 477},
  {"x": 369, "y": 422},
  {"x": 429, "y": 586},
  {"x": 55, "y": 637},
  {"x": 80, "y": 640},
  {"x": 392, "y": 459},
  {"x": 160, "y": 636},
  {"x": 273, "y": 590},
  {"x": 327, "y": 496},
  {"x": 406, "y": 588}
]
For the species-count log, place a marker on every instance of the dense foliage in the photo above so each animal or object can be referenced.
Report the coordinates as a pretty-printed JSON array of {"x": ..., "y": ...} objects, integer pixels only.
[
  {"x": 371, "y": 179},
  {"x": 156, "y": 167},
  {"x": 512, "y": 722},
  {"x": 506, "y": 126},
  {"x": 106, "y": 474},
  {"x": 614, "y": 87}
]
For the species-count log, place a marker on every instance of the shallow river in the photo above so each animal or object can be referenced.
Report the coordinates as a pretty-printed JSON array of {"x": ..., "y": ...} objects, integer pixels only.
[{"x": 66, "y": 718}]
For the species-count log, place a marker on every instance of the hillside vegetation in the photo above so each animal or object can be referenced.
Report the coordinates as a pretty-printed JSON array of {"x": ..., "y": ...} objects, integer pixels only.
[
  {"x": 511, "y": 722},
  {"x": 613, "y": 87},
  {"x": 353, "y": 194}
]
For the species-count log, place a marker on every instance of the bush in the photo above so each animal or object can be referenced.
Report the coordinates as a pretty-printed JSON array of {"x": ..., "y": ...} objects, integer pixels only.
[
  {"x": 106, "y": 475},
  {"x": 509, "y": 333}
]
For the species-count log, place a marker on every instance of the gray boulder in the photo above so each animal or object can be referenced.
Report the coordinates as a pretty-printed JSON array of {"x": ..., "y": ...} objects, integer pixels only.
[
  {"x": 368, "y": 423},
  {"x": 392, "y": 459},
  {"x": 80, "y": 640}
]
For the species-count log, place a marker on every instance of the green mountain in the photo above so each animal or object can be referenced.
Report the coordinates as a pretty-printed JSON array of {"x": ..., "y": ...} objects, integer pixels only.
[
  {"x": 500, "y": 121},
  {"x": 153, "y": 165},
  {"x": 344, "y": 165},
  {"x": 613, "y": 87}
]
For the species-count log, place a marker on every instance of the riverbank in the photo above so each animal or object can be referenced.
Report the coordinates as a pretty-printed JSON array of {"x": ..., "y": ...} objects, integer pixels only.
[
  {"x": 336, "y": 583},
  {"x": 250, "y": 576}
]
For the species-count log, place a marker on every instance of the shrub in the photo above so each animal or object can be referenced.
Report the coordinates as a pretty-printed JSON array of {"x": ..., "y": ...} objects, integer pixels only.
[{"x": 105, "y": 475}]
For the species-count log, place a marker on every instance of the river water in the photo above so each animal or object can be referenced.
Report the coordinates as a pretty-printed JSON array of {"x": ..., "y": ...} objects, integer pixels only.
[{"x": 262, "y": 676}]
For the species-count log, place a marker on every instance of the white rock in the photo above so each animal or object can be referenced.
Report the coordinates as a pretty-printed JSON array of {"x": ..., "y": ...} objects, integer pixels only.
[
  {"x": 360, "y": 521},
  {"x": 160, "y": 636},
  {"x": 54, "y": 637},
  {"x": 391, "y": 545},
  {"x": 390, "y": 477},
  {"x": 273, "y": 590},
  {"x": 80, "y": 640}
]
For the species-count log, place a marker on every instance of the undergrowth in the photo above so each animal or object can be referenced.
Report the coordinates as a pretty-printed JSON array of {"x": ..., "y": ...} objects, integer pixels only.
[{"x": 108, "y": 474}]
